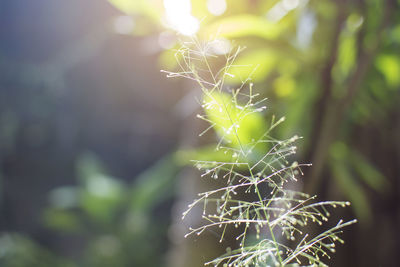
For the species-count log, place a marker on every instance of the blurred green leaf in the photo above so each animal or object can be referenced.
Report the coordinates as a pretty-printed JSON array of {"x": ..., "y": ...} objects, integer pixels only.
[
  {"x": 62, "y": 220},
  {"x": 255, "y": 64},
  {"x": 243, "y": 26},
  {"x": 346, "y": 58},
  {"x": 354, "y": 22},
  {"x": 347, "y": 53},
  {"x": 167, "y": 60},
  {"x": 87, "y": 164},
  {"x": 64, "y": 197},
  {"x": 154, "y": 185},
  {"x": 103, "y": 186},
  {"x": 389, "y": 65},
  {"x": 100, "y": 194},
  {"x": 206, "y": 153},
  {"x": 250, "y": 126},
  {"x": 284, "y": 86},
  {"x": 325, "y": 8}
]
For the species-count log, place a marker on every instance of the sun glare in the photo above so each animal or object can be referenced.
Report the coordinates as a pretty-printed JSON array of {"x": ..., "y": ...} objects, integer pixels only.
[
  {"x": 216, "y": 7},
  {"x": 179, "y": 17}
]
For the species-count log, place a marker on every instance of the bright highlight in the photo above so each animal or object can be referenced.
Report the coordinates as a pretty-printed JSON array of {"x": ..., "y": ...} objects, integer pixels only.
[
  {"x": 179, "y": 17},
  {"x": 216, "y": 7}
]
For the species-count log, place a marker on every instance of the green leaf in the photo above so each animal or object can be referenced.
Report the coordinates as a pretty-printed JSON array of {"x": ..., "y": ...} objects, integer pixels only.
[
  {"x": 206, "y": 153},
  {"x": 347, "y": 53},
  {"x": 237, "y": 125},
  {"x": 242, "y": 26},
  {"x": 62, "y": 220},
  {"x": 346, "y": 58},
  {"x": 101, "y": 208},
  {"x": 284, "y": 86},
  {"x": 100, "y": 193},
  {"x": 167, "y": 60},
  {"x": 154, "y": 185},
  {"x": 389, "y": 65},
  {"x": 255, "y": 64}
]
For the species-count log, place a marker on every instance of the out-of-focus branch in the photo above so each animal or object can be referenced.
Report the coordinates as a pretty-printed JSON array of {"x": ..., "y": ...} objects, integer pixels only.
[
  {"x": 326, "y": 82},
  {"x": 334, "y": 113}
]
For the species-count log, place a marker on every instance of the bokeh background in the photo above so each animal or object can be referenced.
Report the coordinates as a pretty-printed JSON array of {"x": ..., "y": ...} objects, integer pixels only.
[{"x": 94, "y": 139}]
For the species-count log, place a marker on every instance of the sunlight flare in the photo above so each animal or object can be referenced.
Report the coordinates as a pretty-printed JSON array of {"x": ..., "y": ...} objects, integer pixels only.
[{"x": 179, "y": 17}]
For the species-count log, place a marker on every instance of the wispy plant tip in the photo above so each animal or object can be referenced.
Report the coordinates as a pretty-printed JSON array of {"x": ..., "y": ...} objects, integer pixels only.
[{"x": 254, "y": 171}]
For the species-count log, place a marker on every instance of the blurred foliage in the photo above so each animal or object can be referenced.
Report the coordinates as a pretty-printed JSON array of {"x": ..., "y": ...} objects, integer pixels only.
[
  {"x": 115, "y": 219},
  {"x": 332, "y": 69},
  {"x": 18, "y": 251},
  {"x": 352, "y": 45}
]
